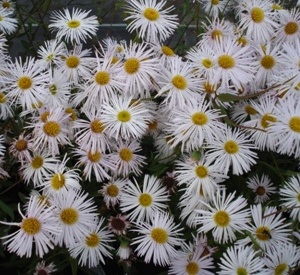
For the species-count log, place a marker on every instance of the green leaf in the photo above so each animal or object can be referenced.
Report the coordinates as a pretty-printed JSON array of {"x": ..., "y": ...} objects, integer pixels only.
[
  {"x": 7, "y": 209},
  {"x": 228, "y": 97}
]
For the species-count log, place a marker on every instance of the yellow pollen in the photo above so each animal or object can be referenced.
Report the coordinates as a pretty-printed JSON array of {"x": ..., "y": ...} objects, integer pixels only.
[
  {"x": 268, "y": 62},
  {"x": 266, "y": 119},
  {"x": 167, "y": 51},
  {"x": 242, "y": 41},
  {"x": 209, "y": 88},
  {"x": 102, "y": 77},
  {"x": 250, "y": 110},
  {"x": 124, "y": 116},
  {"x": 216, "y": 34},
  {"x": 114, "y": 60},
  {"x": 263, "y": 233},
  {"x": 24, "y": 82},
  {"x": 92, "y": 240},
  {"x": 257, "y": 15},
  {"x": 260, "y": 191},
  {"x": 231, "y": 147},
  {"x": 37, "y": 162},
  {"x": 2, "y": 98},
  {"x": 291, "y": 28},
  {"x": 53, "y": 89},
  {"x": 94, "y": 157},
  {"x": 72, "y": 113},
  {"x": 112, "y": 190},
  {"x": 192, "y": 268},
  {"x": 241, "y": 271},
  {"x": 73, "y": 24},
  {"x": 298, "y": 197},
  {"x": 152, "y": 125},
  {"x": 151, "y": 14},
  {"x": 145, "y": 199},
  {"x": 201, "y": 171},
  {"x": 132, "y": 65},
  {"x": 50, "y": 57},
  {"x": 225, "y": 61},
  {"x": 215, "y": 2},
  {"x": 69, "y": 216},
  {"x": 72, "y": 61},
  {"x": 159, "y": 235},
  {"x": 97, "y": 126},
  {"x": 58, "y": 181},
  {"x": 221, "y": 218},
  {"x": 21, "y": 145},
  {"x": 199, "y": 118},
  {"x": 179, "y": 82},
  {"x": 294, "y": 123},
  {"x": 126, "y": 154},
  {"x": 281, "y": 269},
  {"x": 44, "y": 116},
  {"x": 207, "y": 63},
  {"x": 51, "y": 128},
  {"x": 6, "y": 5},
  {"x": 31, "y": 226}
]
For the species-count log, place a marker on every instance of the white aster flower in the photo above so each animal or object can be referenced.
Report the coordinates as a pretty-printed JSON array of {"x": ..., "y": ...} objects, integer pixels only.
[
  {"x": 43, "y": 268},
  {"x": 21, "y": 147},
  {"x": 215, "y": 8},
  {"x": 8, "y": 24},
  {"x": 5, "y": 106},
  {"x": 156, "y": 241}
]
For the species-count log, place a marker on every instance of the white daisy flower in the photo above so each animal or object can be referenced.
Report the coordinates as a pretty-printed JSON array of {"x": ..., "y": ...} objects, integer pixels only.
[
  {"x": 151, "y": 19},
  {"x": 262, "y": 187},
  {"x": 140, "y": 204},
  {"x": 268, "y": 227},
  {"x": 112, "y": 191},
  {"x": 214, "y": 8},
  {"x": 126, "y": 155},
  {"x": 25, "y": 83},
  {"x": 7, "y": 4},
  {"x": 8, "y": 24},
  {"x": 5, "y": 106},
  {"x": 156, "y": 241},
  {"x": 75, "y": 26},
  {"x": 92, "y": 247},
  {"x": 119, "y": 224},
  {"x": 232, "y": 149},
  {"x": 21, "y": 147},
  {"x": 290, "y": 196},
  {"x": 2, "y": 147},
  {"x": 123, "y": 118},
  {"x": 43, "y": 268},
  {"x": 75, "y": 213},
  {"x": 242, "y": 111},
  {"x": 240, "y": 259},
  {"x": 38, "y": 229},
  {"x": 225, "y": 216}
]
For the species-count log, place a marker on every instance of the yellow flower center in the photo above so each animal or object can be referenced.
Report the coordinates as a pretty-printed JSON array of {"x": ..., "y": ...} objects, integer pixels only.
[
  {"x": 31, "y": 226},
  {"x": 44, "y": 116},
  {"x": 221, "y": 218},
  {"x": 114, "y": 60},
  {"x": 94, "y": 157},
  {"x": 268, "y": 62},
  {"x": 281, "y": 269},
  {"x": 298, "y": 197},
  {"x": 266, "y": 119},
  {"x": 242, "y": 41},
  {"x": 151, "y": 14},
  {"x": 207, "y": 63},
  {"x": 92, "y": 240},
  {"x": 145, "y": 199},
  {"x": 216, "y": 34},
  {"x": 192, "y": 268},
  {"x": 167, "y": 51},
  {"x": 257, "y": 15},
  {"x": 71, "y": 112},
  {"x": 72, "y": 61},
  {"x": 250, "y": 110},
  {"x": 152, "y": 125},
  {"x": 226, "y": 61},
  {"x": 24, "y": 82},
  {"x": 97, "y": 126},
  {"x": 209, "y": 88},
  {"x": 159, "y": 235},
  {"x": 21, "y": 145},
  {"x": 50, "y": 57},
  {"x": 294, "y": 123},
  {"x": 124, "y": 116},
  {"x": 263, "y": 233},
  {"x": 53, "y": 89},
  {"x": 126, "y": 154},
  {"x": 58, "y": 181},
  {"x": 2, "y": 98},
  {"x": 291, "y": 28},
  {"x": 215, "y": 2},
  {"x": 37, "y": 162},
  {"x": 231, "y": 147},
  {"x": 112, "y": 190},
  {"x": 73, "y": 24},
  {"x": 179, "y": 82},
  {"x": 6, "y": 5},
  {"x": 201, "y": 171},
  {"x": 51, "y": 128},
  {"x": 260, "y": 191},
  {"x": 132, "y": 65},
  {"x": 102, "y": 77},
  {"x": 69, "y": 216},
  {"x": 241, "y": 271},
  {"x": 199, "y": 118}
]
